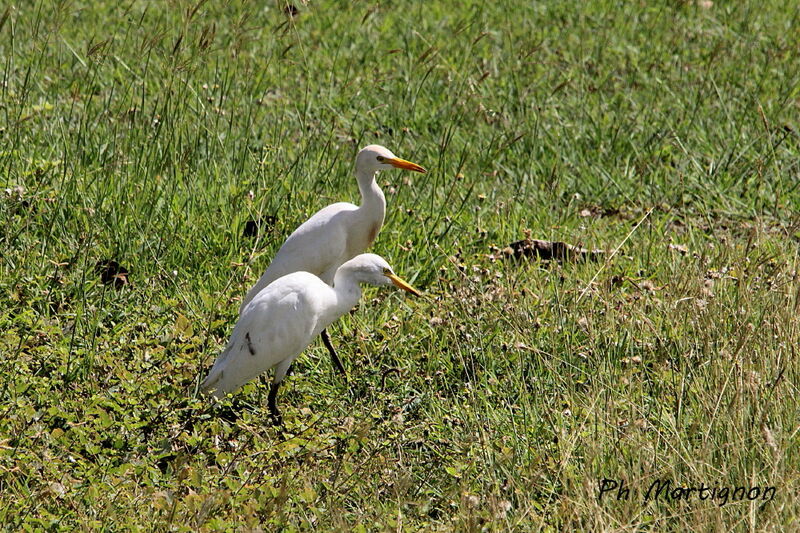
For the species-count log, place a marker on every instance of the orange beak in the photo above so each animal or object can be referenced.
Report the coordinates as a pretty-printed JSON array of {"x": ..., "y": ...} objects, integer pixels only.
[
  {"x": 398, "y": 282},
  {"x": 405, "y": 165}
]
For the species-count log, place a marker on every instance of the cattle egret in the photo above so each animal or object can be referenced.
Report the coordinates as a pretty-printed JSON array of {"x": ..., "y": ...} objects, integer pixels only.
[
  {"x": 337, "y": 232},
  {"x": 282, "y": 319}
]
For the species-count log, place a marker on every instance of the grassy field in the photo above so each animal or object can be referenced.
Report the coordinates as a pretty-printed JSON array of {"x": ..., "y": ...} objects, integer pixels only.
[{"x": 149, "y": 133}]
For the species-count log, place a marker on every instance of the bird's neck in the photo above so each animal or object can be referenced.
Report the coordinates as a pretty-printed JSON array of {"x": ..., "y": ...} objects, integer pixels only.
[
  {"x": 373, "y": 202},
  {"x": 347, "y": 293}
]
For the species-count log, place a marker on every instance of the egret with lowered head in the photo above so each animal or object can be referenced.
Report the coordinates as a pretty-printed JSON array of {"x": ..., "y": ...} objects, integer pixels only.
[
  {"x": 281, "y": 320},
  {"x": 337, "y": 232}
]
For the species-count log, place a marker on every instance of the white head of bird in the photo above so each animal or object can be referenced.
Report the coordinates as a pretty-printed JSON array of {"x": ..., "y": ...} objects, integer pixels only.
[
  {"x": 368, "y": 268},
  {"x": 375, "y": 157}
]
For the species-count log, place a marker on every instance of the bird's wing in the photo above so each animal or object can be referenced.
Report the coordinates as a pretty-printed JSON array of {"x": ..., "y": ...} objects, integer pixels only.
[
  {"x": 319, "y": 245},
  {"x": 277, "y": 325}
]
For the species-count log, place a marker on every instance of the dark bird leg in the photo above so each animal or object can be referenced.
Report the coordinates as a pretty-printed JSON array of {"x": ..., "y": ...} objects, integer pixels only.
[
  {"x": 326, "y": 340},
  {"x": 277, "y": 419},
  {"x": 281, "y": 371}
]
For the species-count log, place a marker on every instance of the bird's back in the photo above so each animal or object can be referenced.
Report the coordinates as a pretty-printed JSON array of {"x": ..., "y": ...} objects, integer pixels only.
[
  {"x": 277, "y": 324},
  {"x": 319, "y": 246}
]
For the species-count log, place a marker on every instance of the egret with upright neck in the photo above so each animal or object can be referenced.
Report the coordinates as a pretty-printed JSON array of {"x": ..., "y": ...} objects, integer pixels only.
[
  {"x": 336, "y": 233},
  {"x": 283, "y": 319}
]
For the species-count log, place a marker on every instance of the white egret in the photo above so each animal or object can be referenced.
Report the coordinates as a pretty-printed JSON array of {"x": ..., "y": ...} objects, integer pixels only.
[
  {"x": 282, "y": 319},
  {"x": 337, "y": 232}
]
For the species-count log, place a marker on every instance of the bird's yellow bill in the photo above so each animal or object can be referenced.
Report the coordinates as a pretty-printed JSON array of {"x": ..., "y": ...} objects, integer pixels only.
[
  {"x": 398, "y": 282},
  {"x": 405, "y": 165}
]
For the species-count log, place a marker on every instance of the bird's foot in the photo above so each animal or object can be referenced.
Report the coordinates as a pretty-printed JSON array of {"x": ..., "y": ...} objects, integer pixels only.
[{"x": 276, "y": 419}]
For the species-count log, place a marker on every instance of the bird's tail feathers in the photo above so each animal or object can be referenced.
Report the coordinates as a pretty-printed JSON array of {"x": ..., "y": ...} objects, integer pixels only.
[{"x": 215, "y": 375}]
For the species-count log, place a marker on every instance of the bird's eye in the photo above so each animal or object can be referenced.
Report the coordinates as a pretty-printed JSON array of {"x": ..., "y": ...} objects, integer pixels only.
[
  {"x": 387, "y": 271},
  {"x": 381, "y": 158}
]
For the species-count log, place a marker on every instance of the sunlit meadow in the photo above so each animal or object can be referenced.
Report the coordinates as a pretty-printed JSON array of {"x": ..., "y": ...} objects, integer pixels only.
[{"x": 154, "y": 155}]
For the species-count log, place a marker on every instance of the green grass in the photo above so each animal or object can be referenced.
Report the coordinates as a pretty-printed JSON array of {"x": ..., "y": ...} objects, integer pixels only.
[{"x": 150, "y": 133}]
